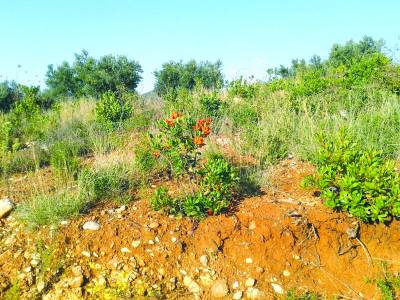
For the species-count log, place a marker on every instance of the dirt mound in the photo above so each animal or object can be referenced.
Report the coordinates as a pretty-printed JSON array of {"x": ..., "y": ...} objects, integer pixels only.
[{"x": 267, "y": 245}]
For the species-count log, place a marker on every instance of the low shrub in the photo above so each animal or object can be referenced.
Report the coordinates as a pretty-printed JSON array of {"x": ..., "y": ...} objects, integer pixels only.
[
  {"x": 112, "y": 182},
  {"x": 242, "y": 88},
  {"x": 361, "y": 182},
  {"x": 51, "y": 209},
  {"x": 212, "y": 183},
  {"x": 64, "y": 159},
  {"x": 111, "y": 110}
]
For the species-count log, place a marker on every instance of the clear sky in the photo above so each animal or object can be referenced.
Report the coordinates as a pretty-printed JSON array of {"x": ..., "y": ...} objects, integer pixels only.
[{"x": 248, "y": 36}]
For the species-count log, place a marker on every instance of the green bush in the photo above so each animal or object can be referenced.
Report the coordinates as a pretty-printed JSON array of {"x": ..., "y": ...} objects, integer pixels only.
[
  {"x": 175, "y": 76},
  {"x": 211, "y": 105},
  {"x": 112, "y": 111},
  {"x": 51, "y": 209},
  {"x": 88, "y": 76},
  {"x": 242, "y": 88},
  {"x": 215, "y": 183},
  {"x": 112, "y": 182},
  {"x": 64, "y": 159},
  {"x": 361, "y": 182}
]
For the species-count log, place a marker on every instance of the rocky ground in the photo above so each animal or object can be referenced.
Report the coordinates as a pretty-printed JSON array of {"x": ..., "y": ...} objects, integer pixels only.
[{"x": 267, "y": 245}]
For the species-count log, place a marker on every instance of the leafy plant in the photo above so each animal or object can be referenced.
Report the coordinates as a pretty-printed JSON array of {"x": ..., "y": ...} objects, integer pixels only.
[
  {"x": 361, "y": 182},
  {"x": 111, "y": 110}
]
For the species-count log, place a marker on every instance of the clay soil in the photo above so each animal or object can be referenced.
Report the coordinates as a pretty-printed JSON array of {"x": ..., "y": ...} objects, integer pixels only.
[{"x": 284, "y": 235}]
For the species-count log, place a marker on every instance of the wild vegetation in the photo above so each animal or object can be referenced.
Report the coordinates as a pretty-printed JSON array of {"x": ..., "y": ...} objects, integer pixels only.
[{"x": 101, "y": 141}]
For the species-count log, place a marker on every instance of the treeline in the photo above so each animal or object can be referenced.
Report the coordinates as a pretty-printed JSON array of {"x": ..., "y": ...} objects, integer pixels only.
[{"x": 352, "y": 63}]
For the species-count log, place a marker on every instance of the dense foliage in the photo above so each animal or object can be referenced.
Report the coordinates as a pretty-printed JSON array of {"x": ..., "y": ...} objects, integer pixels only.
[
  {"x": 88, "y": 76},
  {"x": 361, "y": 182},
  {"x": 178, "y": 75}
]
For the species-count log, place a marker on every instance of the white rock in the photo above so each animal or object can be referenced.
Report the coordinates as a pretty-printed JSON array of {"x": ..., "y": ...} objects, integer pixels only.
[
  {"x": 191, "y": 285},
  {"x": 125, "y": 250},
  {"x": 64, "y": 223},
  {"x": 204, "y": 260},
  {"x": 86, "y": 253},
  {"x": 153, "y": 225},
  {"x": 277, "y": 288},
  {"x": 237, "y": 295},
  {"x": 91, "y": 225},
  {"x": 252, "y": 225},
  {"x": 286, "y": 273},
  {"x": 136, "y": 244},
  {"x": 219, "y": 289},
  {"x": 249, "y": 260},
  {"x": 235, "y": 285},
  {"x": 6, "y": 206},
  {"x": 174, "y": 239},
  {"x": 250, "y": 282},
  {"x": 151, "y": 242},
  {"x": 253, "y": 293}
]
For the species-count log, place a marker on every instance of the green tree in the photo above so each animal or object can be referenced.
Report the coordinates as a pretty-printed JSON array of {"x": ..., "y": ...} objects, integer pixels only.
[
  {"x": 178, "y": 75},
  {"x": 92, "y": 77}
]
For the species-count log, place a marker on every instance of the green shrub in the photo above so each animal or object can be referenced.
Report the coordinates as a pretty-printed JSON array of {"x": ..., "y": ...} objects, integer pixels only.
[
  {"x": 215, "y": 183},
  {"x": 112, "y": 111},
  {"x": 51, "y": 209},
  {"x": 211, "y": 105},
  {"x": 361, "y": 182},
  {"x": 242, "y": 88},
  {"x": 105, "y": 183},
  {"x": 64, "y": 158}
]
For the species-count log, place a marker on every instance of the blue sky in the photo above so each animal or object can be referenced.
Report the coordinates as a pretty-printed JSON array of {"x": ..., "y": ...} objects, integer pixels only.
[{"x": 248, "y": 36}]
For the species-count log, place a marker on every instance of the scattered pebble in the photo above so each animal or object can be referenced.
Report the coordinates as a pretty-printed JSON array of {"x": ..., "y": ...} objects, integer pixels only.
[
  {"x": 237, "y": 295},
  {"x": 86, "y": 253},
  {"x": 252, "y": 225},
  {"x": 153, "y": 225},
  {"x": 91, "y": 225},
  {"x": 250, "y": 282},
  {"x": 249, "y": 260},
  {"x": 235, "y": 285},
  {"x": 64, "y": 223},
  {"x": 136, "y": 244},
  {"x": 151, "y": 242},
  {"x": 254, "y": 293},
  {"x": 6, "y": 206},
  {"x": 277, "y": 288},
  {"x": 219, "y": 289},
  {"x": 125, "y": 250},
  {"x": 286, "y": 273},
  {"x": 174, "y": 239},
  {"x": 204, "y": 260},
  {"x": 191, "y": 285}
]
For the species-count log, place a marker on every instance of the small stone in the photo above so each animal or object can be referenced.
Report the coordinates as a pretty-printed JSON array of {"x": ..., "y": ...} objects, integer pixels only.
[
  {"x": 237, "y": 295},
  {"x": 136, "y": 244},
  {"x": 86, "y": 253},
  {"x": 76, "y": 282},
  {"x": 191, "y": 285},
  {"x": 296, "y": 257},
  {"x": 219, "y": 289},
  {"x": 277, "y": 288},
  {"x": 204, "y": 260},
  {"x": 64, "y": 223},
  {"x": 206, "y": 279},
  {"x": 40, "y": 286},
  {"x": 35, "y": 262},
  {"x": 174, "y": 239},
  {"x": 260, "y": 270},
  {"x": 151, "y": 242},
  {"x": 252, "y": 225},
  {"x": 6, "y": 206},
  {"x": 286, "y": 273},
  {"x": 157, "y": 239},
  {"x": 254, "y": 293},
  {"x": 121, "y": 209},
  {"x": 76, "y": 270},
  {"x": 153, "y": 225},
  {"x": 235, "y": 285},
  {"x": 28, "y": 269},
  {"x": 125, "y": 250},
  {"x": 249, "y": 260},
  {"x": 91, "y": 225},
  {"x": 250, "y": 282}
]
